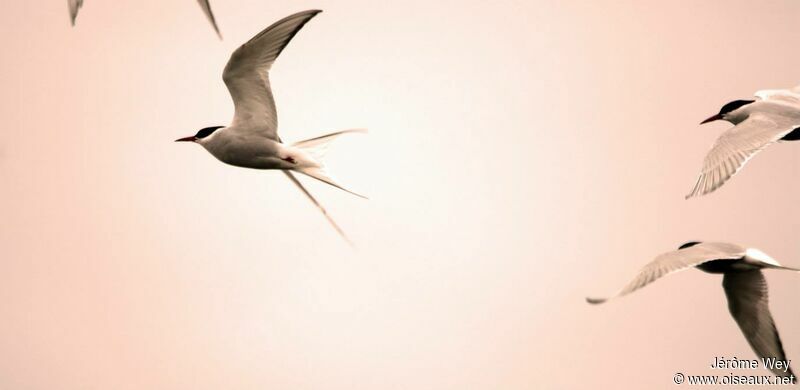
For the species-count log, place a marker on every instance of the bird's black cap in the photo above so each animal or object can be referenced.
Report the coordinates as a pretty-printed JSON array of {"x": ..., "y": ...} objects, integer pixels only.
[
  {"x": 689, "y": 244},
  {"x": 205, "y": 132},
  {"x": 732, "y": 106}
]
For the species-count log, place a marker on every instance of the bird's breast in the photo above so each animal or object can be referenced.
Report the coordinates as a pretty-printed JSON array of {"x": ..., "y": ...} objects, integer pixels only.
[{"x": 246, "y": 153}]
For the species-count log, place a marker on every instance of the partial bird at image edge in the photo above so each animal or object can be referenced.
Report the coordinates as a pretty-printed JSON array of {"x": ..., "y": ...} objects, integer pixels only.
[
  {"x": 743, "y": 282},
  {"x": 75, "y": 6},
  {"x": 773, "y": 116}
]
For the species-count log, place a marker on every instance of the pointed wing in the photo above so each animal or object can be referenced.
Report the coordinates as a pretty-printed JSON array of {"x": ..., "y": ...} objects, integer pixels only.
[
  {"x": 247, "y": 76},
  {"x": 74, "y": 6},
  {"x": 747, "y": 302},
  {"x": 210, "y": 15},
  {"x": 679, "y": 260},
  {"x": 736, "y": 146},
  {"x": 317, "y": 147}
]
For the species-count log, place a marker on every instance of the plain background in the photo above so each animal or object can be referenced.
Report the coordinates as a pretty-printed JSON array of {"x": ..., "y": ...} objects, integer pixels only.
[{"x": 521, "y": 156}]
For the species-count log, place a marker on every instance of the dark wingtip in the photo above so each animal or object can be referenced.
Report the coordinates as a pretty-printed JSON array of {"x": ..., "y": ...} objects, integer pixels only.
[
  {"x": 312, "y": 12},
  {"x": 213, "y": 21},
  {"x": 595, "y": 301}
]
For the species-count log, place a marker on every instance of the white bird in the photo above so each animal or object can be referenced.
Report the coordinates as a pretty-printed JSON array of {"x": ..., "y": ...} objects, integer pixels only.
[
  {"x": 75, "y": 5},
  {"x": 773, "y": 116},
  {"x": 743, "y": 282},
  {"x": 251, "y": 140}
]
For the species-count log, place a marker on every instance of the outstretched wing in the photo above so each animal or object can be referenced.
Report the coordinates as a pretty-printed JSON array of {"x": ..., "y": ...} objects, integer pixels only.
[
  {"x": 74, "y": 6},
  {"x": 247, "y": 76},
  {"x": 674, "y": 261},
  {"x": 736, "y": 146},
  {"x": 748, "y": 304}
]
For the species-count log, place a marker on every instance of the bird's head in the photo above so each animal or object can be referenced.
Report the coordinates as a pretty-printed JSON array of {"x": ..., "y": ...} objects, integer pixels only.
[
  {"x": 689, "y": 244},
  {"x": 728, "y": 111},
  {"x": 201, "y": 135}
]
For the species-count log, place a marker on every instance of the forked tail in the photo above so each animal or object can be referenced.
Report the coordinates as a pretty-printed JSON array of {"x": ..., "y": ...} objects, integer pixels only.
[
  {"x": 316, "y": 148},
  {"x": 785, "y": 268},
  {"x": 319, "y": 206}
]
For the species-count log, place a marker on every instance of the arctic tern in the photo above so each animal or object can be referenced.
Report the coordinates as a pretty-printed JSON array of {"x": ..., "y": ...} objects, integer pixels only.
[
  {"x": 773, "y": 116},
  {"x": 743, "y": 282},
  {"x": 75, "y": 5},
  {"x": 251, "y": 140}
]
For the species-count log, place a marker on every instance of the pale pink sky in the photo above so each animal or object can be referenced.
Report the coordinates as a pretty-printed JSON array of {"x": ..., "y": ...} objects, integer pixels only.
[{"x": 521, "y": 156}]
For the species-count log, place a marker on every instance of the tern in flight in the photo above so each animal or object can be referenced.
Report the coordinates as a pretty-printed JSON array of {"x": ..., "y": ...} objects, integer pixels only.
[
  {"x": 251, "y": 140},
  {"x": 75, "y": 5},
  {"x": 774, "y": 115},
  {"x": 743, "y": 282}
]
